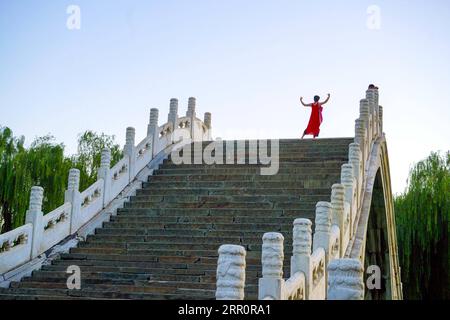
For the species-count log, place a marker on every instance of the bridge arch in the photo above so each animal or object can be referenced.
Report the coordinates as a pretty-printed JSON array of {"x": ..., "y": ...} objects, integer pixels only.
[{"x": 375, "y": 243}]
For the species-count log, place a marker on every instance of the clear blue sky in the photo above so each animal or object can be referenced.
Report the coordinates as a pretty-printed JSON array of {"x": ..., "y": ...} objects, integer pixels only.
[{"x": 247, "y": 62}]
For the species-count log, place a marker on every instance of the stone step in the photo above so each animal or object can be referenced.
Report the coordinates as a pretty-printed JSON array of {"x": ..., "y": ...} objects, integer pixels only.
[
  {"x": 232, "y": 191},
  {"x": 197, "y": 226},
  {"x": 178, "y": 245},
  {"x": 326, "y": 163},
  {"x": 184, "y": 239},
  {"x": 181, "y": 294},
  {"x": 312, "y": 183},
  {"x": 299, "y": 205},
  {"x": 227, "y": 198},
  {"x": 298, "y": 210},
  {"x": 262, "y": 219},
  {"x": 185, "y": 233},
  {"x": 180, "y": 170},
  {"x": 245, "y": 177}
]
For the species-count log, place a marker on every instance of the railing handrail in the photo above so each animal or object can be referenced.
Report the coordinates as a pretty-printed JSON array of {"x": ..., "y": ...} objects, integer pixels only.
[{"x": 105, "y": 189}]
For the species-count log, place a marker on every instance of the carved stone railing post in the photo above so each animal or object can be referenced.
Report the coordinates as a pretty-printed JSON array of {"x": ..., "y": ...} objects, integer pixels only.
[
  {"x": 355, "y": 159},
  {"x": 361, "y": 138},
  {"x": 371, "y": 97},
  {"x": 34, "y": 216},
  {"x": 191, "y": 114},
  {"x": 301, "y": 253},
  {"x": 322, "y": 233},
  {"x": 73, "y": 196},
  {"x": 152, "y": 128},
  {"x": 272, "y": 283},
  {"x": 104, "y": 173},
  {"x": 173, "y": 117},
  {"x": 173, "y": 112},
  {"x": 191, "y": 108},
  {"x": 130, "y": 151},
  {"x": 340, "y": 216},
  {"x": 348, "y": 181},
  {"x": 231, "y": 273},
  {"x": 345, "y": 280},
  {"x": 207, "y": 120},
  {"x": 366, "y": 115}
]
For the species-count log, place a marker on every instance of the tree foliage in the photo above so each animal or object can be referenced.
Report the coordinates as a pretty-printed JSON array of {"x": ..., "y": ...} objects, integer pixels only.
[
  {"x": 44, "y": 164},
  {"x": 422, "y": 215}
]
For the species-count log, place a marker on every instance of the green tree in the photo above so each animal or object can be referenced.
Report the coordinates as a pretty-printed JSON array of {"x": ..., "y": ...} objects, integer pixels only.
[
  {"x": 88, "y": 158},
  {"x": 422, "y": 215},
  {"x": 44, "y": 164}
]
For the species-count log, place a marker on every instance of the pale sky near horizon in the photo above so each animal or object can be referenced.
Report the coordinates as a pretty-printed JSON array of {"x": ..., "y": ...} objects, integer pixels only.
[{"x": 247, "y": 62}]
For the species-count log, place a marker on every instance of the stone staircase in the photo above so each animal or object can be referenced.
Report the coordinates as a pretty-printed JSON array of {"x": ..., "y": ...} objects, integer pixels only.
[{"x": 163, "y": 244}]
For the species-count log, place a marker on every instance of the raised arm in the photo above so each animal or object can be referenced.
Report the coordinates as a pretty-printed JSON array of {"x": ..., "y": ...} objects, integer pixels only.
[
  {"x": 305, "y": 104},
  {"x": 326, "y": 100}
]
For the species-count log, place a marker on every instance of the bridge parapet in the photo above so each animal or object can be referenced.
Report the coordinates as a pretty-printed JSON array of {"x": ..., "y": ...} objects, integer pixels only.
[
  {"x": 41, "y": 232},
  {"x": 314, "y": 274}
]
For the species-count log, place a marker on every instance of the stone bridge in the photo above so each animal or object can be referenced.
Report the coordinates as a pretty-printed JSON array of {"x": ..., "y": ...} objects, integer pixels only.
[{"x": 183, "y": 216}]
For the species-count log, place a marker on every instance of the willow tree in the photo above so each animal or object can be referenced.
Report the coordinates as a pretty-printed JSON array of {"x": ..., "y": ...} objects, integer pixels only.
[
  {"x": 44, "y": 164},
  {"x": 422, "y": 215},
  {"x": 88, "y": 158}
]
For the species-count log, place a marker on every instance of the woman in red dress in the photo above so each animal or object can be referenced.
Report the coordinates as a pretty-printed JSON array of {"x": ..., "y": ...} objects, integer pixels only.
[{"x": 316, "y": 116}]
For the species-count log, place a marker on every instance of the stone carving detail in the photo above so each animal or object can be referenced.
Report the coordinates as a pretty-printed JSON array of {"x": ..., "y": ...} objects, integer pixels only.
[
  {"x": 323, "y": 217},
  {"x": 207, "y": 120},
  {"x": 191, "y": 107},
  {"x": 231, "y": 273},
  {"x": 345, "y": 280},
  {"x": 36, "y": 197},
  {"x": 130, "y": 136},
  {"x": 318, "y": 271},
  {"x": 302, "y": 236},
  {"x": 74, "y": 180},
  {"x": 105, "y": 158},
  {"x": 272, "y": 255}
]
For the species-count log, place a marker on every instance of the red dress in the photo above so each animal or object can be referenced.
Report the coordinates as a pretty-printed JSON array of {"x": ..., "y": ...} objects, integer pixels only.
[{"x": 315, "y": 120}]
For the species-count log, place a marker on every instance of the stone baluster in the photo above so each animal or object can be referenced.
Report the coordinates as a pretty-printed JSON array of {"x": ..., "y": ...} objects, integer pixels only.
[
  {"x": 130, "y": 151},
  {"x": 231, "y": 273},
  {"x": 361, "y": 138},
  {"x": 354, "y": 156},
  {"x": 322, "y": 232},
  {"x": 366, "y": 115},
  {"x": 104, "y": 173},
  {"x": 173, "y": 113},
  {"x": 272, "y": 283},
  {"x": 207, "y": 120},
  {"x": 73, "y": 196},
  {"x": 34, "y": 216},
  {"x": 301, "y": 253},
  {"x": 345, "y": 280},
  {"x": 348, "y": 181},
  {"x": 371, "y": 97},
  {"x": 191, "y": 108},
  {"x": 172, "y": 119},
  {"x": 339, "y": 215},
  {"x": 152, "y": 128}
]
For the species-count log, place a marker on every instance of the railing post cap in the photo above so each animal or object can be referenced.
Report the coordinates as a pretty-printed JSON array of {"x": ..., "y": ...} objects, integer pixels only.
[
  {"x": 324, "y": 204},
  {"x": 302, "y": 222},
  {"x": 273, "y": 236},
  {"x": 231, "y": 249}
]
